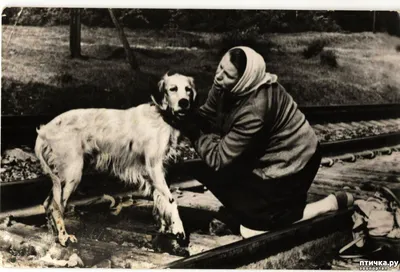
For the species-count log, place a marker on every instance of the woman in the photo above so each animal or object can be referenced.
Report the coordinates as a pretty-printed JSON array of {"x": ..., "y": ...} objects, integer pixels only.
[{"x": 260, "y": 153}]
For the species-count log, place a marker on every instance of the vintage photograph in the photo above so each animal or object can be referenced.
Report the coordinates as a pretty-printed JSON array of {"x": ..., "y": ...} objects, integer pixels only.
[{"x": 200, "y": 138}]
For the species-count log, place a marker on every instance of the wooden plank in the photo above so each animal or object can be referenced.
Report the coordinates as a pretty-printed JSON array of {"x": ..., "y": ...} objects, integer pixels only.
[
  {"x": 141, "y": 235},
  {"x": 202, "y": 242},
  {"x": 381, "y": 166},
  {"x": 36, "y": 246},
  {"x": 28, "y": 240},
  {"x": 204, "y": 201},
  {"x": 189, "y": 185},
  {"x": 96, "y": 200},
  {"x": 93, "y": 252}
]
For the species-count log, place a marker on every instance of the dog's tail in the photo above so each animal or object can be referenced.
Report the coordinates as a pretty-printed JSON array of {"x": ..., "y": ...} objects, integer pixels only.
[{"x": 44, "y": 154}]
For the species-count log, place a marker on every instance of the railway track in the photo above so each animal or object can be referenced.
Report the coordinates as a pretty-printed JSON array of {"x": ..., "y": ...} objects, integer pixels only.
[
  {"x": 133, "y": 226},
  {"x": 197, "y": 207}
]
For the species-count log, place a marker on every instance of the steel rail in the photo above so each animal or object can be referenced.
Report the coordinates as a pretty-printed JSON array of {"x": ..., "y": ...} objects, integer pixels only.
[{"x": 262, "y": 246}]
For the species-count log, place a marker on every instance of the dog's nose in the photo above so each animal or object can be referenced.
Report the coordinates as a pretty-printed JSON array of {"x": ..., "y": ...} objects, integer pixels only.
[{"x": 183, "y": 103}]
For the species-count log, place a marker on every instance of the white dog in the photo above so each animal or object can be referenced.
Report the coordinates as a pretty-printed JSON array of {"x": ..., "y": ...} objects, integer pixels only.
[{"x": 133, "y": 144}]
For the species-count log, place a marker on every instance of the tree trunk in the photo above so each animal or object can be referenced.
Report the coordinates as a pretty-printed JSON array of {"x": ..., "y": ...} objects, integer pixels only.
[
  {"x": 75, "y": 33},
  {"x": 128, "y": 52},
  {"x": 374, "y": 22}
]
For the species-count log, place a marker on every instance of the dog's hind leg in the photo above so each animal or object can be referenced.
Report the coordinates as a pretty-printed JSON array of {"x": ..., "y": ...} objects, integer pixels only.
[
  {"x": 65, "y": 172},
  {"x": 50, "y": 220},
  {"x": 52, "y": 204},
  {"x": 72, "y": 175},
  {"x": 56, "y": 211}
]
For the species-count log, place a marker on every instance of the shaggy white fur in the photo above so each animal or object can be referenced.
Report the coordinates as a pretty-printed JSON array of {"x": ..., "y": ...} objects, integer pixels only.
[{"x": 133, "y": 144}]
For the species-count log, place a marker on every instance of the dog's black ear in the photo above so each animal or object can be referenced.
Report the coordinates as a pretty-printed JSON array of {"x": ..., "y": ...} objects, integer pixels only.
[{"x": 158, "y": 97}]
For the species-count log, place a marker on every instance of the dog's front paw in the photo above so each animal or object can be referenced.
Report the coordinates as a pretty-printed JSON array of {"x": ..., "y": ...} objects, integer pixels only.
[
  {"x": 72, "y": 238},
  {"x": 168, "y": 243},
  {"x": 176, "y": 230},
  {"x": 182, "y": 239},
  {"x": 64, "y": 238}
]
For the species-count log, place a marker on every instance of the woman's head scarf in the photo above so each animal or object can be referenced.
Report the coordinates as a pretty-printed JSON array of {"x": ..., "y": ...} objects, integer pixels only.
[{"x": 254, "y": 75}]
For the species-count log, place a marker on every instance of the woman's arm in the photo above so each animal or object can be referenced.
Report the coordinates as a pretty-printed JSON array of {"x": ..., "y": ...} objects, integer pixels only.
[
  {"x": 220, "y": 152},
  {"x": 207, "y": 113}
]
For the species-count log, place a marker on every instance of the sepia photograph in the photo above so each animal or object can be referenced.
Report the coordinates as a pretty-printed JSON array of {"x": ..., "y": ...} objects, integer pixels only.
[{"x": 200, "y": 138}]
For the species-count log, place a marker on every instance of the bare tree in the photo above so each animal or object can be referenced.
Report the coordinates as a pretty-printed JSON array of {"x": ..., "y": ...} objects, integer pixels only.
[
  {"x": 75, "y": 33},
  {"x": 128, "y": 52}
]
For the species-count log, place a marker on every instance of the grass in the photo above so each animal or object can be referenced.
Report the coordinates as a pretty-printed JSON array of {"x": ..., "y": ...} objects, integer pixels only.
[
  {"x": 366, "y": 73},
  {"x": 38, "y": 77}
]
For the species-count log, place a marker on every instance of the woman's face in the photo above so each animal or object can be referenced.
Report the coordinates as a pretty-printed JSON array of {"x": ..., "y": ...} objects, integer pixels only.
[{"x": 226, "y": 76}]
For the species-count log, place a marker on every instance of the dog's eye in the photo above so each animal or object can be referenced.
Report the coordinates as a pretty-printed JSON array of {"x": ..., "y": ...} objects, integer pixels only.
[
  {"x": 188, "y": 89},
  {"x": 173, "y": 89}
]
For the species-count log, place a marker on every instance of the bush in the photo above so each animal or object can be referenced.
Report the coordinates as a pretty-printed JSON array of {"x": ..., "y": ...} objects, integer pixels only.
[
  {"x": 328, "y": 57},
  {"x": 314, "y": 48}
]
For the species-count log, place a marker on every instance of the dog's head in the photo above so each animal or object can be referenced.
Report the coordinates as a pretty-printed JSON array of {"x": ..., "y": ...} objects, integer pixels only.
[{"x": 175, "y": 93}]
